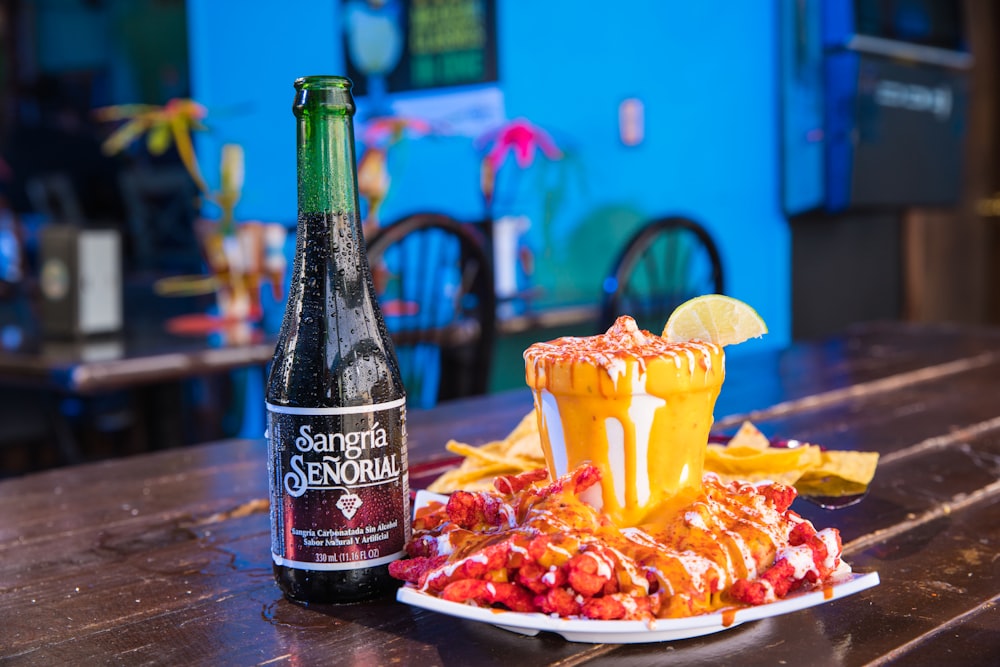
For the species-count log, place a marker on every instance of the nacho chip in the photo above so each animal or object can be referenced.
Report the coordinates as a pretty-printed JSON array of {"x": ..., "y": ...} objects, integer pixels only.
[
  {"x": 500, "y": 452},
  {"x": 839, "y": 473},
  {"x": 744, "y": 461},
  {"x": 469, "y": 477},
  {"x": 748, "y": 457},
  {"x": 525, "y": 442},
  {"x": 749, "y": 436},
  {"x": 519, "y": 452}
]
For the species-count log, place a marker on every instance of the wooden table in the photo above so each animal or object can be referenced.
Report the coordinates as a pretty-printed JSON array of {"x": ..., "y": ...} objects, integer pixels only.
[
  {"x": 144, "y": 351},
  {"x": 145, "y": 358},
  {"x": 163, "y": 558}
]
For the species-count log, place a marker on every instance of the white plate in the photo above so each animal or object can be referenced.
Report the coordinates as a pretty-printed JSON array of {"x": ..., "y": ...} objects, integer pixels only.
[
  {"x": 636, "y": 632},
  {"x": 631, "y": 632}
]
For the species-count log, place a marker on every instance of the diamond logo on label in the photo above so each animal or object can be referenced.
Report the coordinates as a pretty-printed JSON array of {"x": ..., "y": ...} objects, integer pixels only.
[{"x": 348, "y": 504}]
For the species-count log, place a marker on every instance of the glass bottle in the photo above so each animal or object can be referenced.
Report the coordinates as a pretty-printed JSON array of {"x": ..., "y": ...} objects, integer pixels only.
[{"x": 336, "y": 413}]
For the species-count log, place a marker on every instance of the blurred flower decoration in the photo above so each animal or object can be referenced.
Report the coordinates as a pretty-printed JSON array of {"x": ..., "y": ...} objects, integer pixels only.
[
  {"x": 513, "y": 256},
  {"x": 379, "y": 135},
  {"x": 520, "y": 137},
  {"x": 238, "y": 255},
  {"x": 173, "y": 125}
]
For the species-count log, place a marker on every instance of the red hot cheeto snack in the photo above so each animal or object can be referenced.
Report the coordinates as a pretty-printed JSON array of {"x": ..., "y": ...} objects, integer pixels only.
[{"x": 534, "y": 546}]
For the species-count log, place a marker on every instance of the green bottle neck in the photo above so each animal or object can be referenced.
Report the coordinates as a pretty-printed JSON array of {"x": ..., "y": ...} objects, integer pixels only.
[{"x": 326, "y": 163}]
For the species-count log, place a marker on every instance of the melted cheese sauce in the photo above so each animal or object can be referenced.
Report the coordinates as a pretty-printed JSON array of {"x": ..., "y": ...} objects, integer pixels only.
[
  {"x": 636, "y": 406},
  {"x": 723, "y": 533}
]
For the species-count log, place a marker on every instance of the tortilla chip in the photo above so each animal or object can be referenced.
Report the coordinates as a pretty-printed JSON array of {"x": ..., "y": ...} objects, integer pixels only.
[
  {"x": 840, "y": 473},
  {"x": 749, "y": 436},
  {"x": 768, "y": 462},
  {"x": 748, "y": 457}
]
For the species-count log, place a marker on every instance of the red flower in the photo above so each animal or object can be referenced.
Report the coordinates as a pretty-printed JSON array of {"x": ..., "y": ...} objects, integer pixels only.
[{"x": 521, "y": 137}]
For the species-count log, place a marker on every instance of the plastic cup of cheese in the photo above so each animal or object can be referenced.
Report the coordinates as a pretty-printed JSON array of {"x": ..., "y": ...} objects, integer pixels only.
[{"x": 633, "y": 404}]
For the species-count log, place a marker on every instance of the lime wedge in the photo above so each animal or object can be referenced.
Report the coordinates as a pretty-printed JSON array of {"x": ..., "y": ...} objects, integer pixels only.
[{"x": 714, "y": 318}]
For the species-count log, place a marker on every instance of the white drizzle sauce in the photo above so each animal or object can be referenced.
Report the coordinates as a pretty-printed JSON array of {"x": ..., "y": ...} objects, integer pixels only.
[
  {"x": 741, "y": 547},
  {"x": 698, "y": 567},
  {"x": 769, "y": 595},
  {"x": 629, "y": 603},
  {"x": 508, "y": 515},
  {"x": 829, "y": 539},
  {"x": 444, "y": 547},
  {"x": 695, "y": 520},
  {"x": 604, "y": 569},
  {"x": 800, "y": 558},
  {"x": 637, "y": 578},
  {"x": 448, "y": 569}
]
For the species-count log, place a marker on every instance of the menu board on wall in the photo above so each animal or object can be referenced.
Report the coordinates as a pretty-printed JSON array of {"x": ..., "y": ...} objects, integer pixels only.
[{"x": 394, "y": 46}]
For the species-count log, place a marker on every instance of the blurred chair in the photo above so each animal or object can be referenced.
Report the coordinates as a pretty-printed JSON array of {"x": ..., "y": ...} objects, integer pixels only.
[
  {"x": 161, "y": 207},
  {"x": 54, "y": 196},
  {"x": 434, "y": 281},
  {"x": 666, "y": 262}
]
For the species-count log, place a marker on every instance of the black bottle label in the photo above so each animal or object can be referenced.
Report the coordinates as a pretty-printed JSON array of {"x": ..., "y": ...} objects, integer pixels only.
[{"x": 340, "y": 496}]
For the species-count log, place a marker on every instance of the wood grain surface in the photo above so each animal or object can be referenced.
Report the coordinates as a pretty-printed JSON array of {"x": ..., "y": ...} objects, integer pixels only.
[{"x": 163, "y": 558}]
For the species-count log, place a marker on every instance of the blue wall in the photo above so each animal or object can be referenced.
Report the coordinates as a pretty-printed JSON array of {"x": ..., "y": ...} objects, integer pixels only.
[{"x": 706, "y": 73}]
